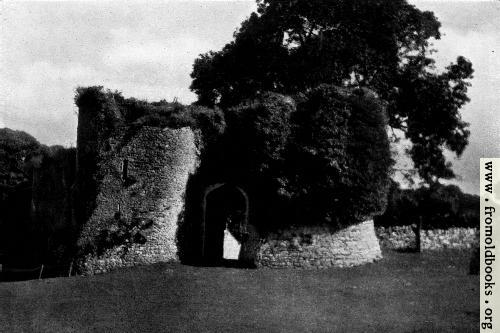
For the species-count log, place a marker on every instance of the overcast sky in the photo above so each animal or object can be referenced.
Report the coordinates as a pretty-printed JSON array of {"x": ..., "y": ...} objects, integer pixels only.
[{"x": 146, "y": 50}]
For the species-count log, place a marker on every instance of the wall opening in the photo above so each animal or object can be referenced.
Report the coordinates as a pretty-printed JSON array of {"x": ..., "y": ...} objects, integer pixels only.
[
  {"x": 125, "y": 170},
  {"x": 224, "y": 225}
]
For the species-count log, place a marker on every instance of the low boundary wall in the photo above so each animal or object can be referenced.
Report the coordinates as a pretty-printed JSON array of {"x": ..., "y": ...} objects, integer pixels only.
[{"x": 404, "y": 237}]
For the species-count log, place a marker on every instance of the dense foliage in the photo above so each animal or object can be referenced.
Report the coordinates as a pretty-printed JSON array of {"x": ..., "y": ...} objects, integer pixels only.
[
  {"x": 293, "y": 46},
  {"x": 340, "y": 154},
  {"x": 440, "y": 206},
  {"x": 323, "y": 158},
  {"x": 257, "y": 136},
  {"x": 115, "y": 110},
  {"x": 25, "y": 234},
  {"x": 18, "y": 150}
]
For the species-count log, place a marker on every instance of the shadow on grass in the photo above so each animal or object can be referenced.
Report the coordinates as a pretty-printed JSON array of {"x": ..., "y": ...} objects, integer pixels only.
[
  {"x": 407, "y": 250},
  {"x": 228, "y": 263},
  {"x": 232, "y": 263}
]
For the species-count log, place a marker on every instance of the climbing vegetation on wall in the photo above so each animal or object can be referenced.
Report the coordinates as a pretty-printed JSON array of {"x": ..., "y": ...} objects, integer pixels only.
[
  {"x": 318, "y": 157},
  {"x": 321, "y": 157},
  {"x": 113, "y": 110},
  {"x": 340, "y": 157}
]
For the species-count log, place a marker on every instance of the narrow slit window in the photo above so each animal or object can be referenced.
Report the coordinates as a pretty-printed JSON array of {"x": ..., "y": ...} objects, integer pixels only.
[{"x": 125, "y": 169}]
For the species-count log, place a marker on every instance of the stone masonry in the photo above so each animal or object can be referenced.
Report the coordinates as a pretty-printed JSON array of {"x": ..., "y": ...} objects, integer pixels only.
[
  {"x": 320, "y": 247},
  {"x": 403, "y": 237},
  {"x": 142, "y": 190}
]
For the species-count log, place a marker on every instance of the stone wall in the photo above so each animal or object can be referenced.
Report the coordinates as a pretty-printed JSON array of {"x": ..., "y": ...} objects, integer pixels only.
[
  {"x": 320, "y": 247},
  {"x": 141, "y": 182},
  {"x": 403, "y": 237}
]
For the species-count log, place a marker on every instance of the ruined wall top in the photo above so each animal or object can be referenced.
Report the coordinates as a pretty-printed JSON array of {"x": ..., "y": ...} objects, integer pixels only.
[{"x": 105, "y": 119}]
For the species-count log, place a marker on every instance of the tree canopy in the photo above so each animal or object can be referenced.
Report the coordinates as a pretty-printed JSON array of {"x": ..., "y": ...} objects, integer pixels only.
[
  {"x": 17, "y": 151},
  {"x": 293, "y": 46},
  {"x": 440, "y": 207}
]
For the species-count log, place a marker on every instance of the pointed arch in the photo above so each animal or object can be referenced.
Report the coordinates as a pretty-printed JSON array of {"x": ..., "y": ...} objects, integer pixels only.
[{"x": 211, "y": 188}]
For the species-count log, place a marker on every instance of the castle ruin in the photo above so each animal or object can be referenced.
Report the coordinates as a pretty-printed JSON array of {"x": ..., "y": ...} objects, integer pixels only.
[{"x": 132, "y": 182}]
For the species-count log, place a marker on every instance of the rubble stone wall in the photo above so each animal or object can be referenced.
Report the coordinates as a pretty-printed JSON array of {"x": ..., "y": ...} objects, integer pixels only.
[
  {"x": 403, "y": 237},
  {"x": 320, "y": 247},
  {"x": 141, "y": 184}
]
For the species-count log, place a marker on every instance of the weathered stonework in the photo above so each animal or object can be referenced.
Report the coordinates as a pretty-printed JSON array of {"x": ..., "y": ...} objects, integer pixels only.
[
  {"x": 320, "y": 247},
  {"x": 141, "y": 187},
  {"x": 403, "y": 237}
]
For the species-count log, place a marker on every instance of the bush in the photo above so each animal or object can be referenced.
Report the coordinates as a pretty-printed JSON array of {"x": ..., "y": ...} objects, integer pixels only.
[{"x": 119, "y": 233}]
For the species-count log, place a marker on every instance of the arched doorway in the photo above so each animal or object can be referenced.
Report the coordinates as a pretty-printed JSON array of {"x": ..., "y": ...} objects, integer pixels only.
[{"x": 225, "y": 207}]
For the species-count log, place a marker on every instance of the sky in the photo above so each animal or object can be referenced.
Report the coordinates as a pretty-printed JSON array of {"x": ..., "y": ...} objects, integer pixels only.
[{"x": 146, "y": 50}]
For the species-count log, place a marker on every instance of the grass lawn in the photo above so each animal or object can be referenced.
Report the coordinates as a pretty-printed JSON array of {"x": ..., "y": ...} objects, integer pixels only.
[{"x": 404, "y": 292}]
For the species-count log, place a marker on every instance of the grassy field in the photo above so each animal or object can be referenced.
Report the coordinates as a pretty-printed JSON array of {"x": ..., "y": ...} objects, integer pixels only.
[{"x": 404, "y": 292}]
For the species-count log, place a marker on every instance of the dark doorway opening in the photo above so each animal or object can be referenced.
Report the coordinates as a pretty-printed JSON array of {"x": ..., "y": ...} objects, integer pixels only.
[{"x": 225, "y": 215}]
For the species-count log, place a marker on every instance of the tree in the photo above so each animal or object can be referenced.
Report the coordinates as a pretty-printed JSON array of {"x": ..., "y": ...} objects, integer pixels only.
[
  {"x": 293, "y": 46},
  {"x": 440, "y": 206},
  {"x": 18, "y": 151}
]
